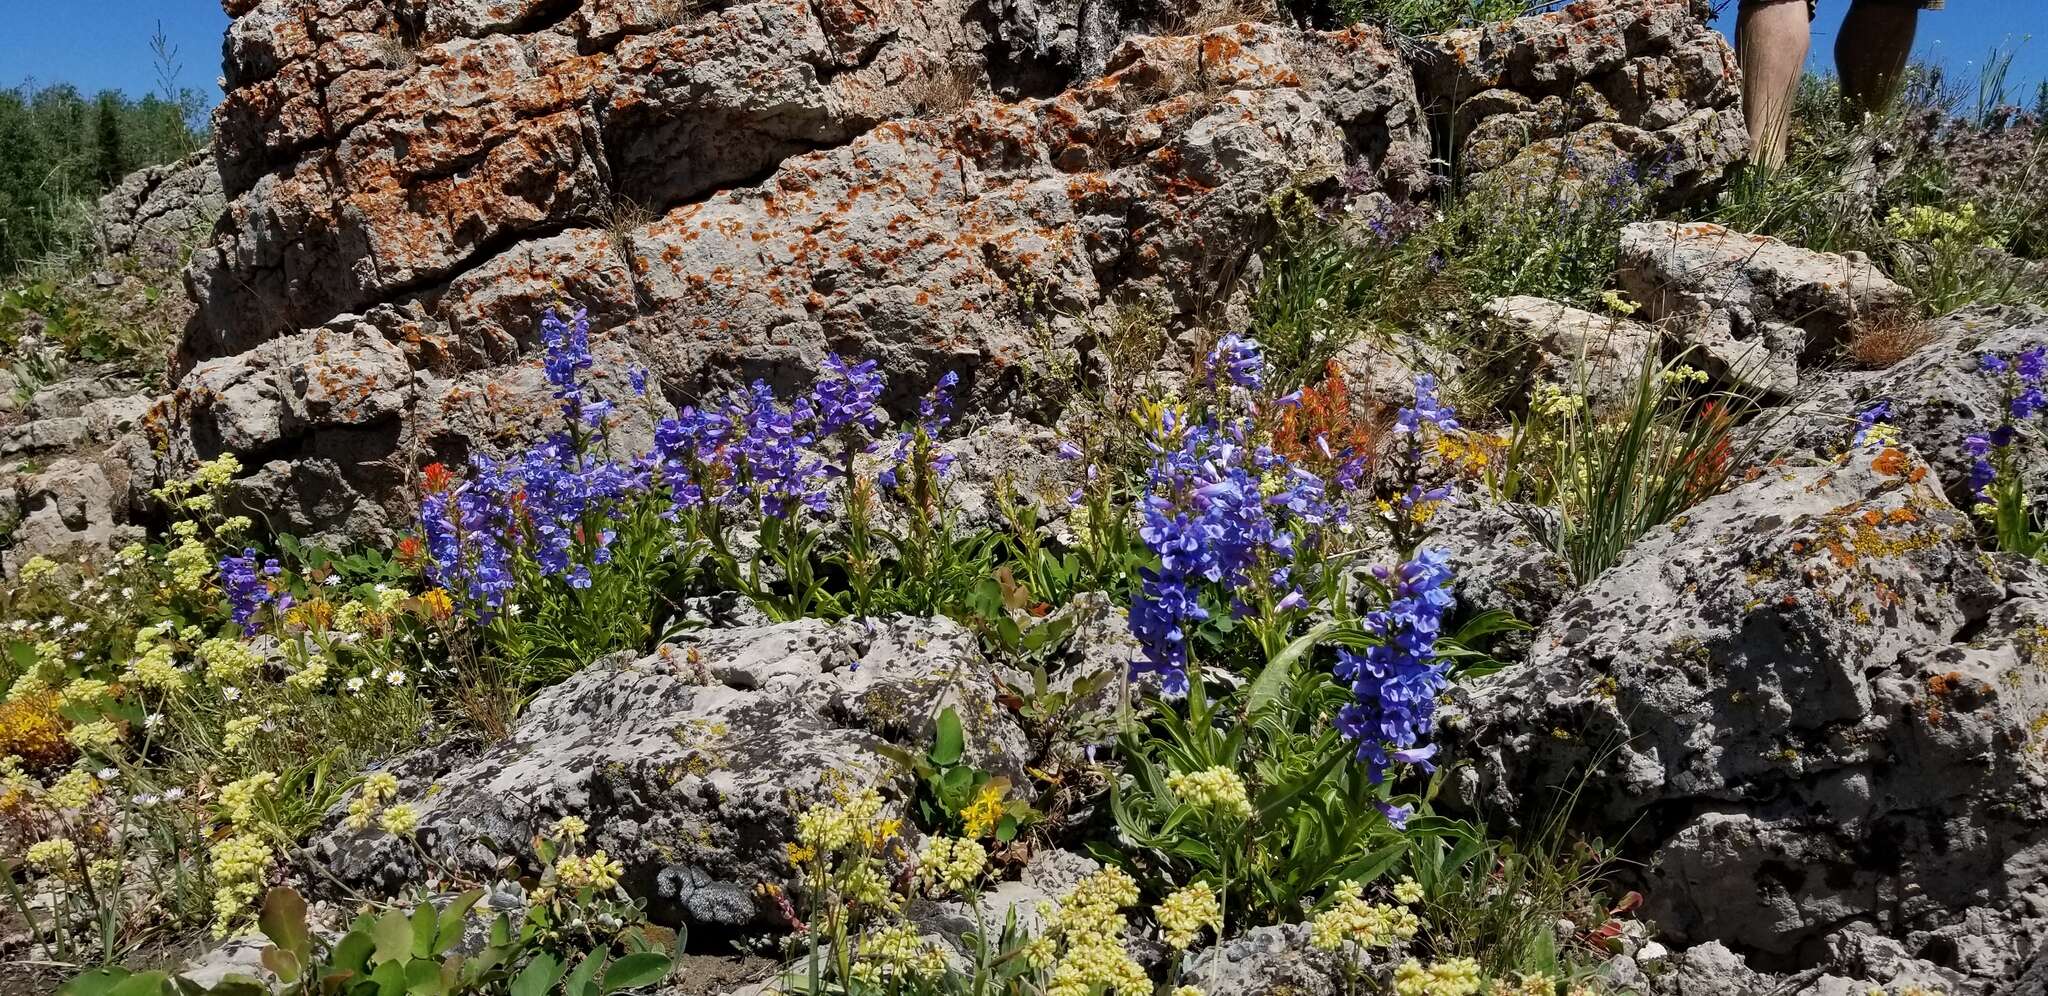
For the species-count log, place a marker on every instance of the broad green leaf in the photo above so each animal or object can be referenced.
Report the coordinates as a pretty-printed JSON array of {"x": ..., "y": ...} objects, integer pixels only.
[
  {"x": 423, "y": 978},
  {"x": 453, "y": 920},
  {"x": 352, "y": 952},
  {"x": 641, "y": 969},
  {"x": 98, "y": 982},
  {"x": 426, "y": 924},
  {"x": 1273, "y": 681},
  {"x": 538, "y": 977},
  {"x": 141, "y": 984},
  {"x": 281, "y": 963},
  {"x": 393, "y": 935},
  {"x": 581, "y": 981},
  {"x": 284, "y": 921},
  {"x": 950, "y": 741}
]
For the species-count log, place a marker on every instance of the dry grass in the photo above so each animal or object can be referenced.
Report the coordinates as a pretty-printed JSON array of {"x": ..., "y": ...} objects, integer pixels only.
[
  {"x": 1884, "y": 338},
  {"x": 943, "y": 89},
  {"x": 1213, "y": 14}
]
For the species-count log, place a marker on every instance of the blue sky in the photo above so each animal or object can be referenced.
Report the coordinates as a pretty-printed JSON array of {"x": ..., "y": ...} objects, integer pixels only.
[{"x": 98, "y": 44}]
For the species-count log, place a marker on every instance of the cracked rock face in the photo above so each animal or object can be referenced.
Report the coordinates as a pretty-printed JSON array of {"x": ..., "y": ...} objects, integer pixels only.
[
  {"x": 1807, "y": 698},
  {"x": 736, "y": 189},
  {"x": 693, "y": 762}
]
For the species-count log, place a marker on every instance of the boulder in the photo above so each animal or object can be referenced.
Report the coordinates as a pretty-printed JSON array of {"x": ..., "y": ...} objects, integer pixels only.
[
  {"x": 1608, "y": 93},
  {"x": 1755, "y": 307},
  {"x": 1937, "y": 397},
  {"x": 1578, "y": 352},
  {"x": 1815, "y": 702},
  {"x": 1266, "y": 961},
  {"x": 1500, "y": 560},
  {"x": 691, "y": 764},
  {"x": 154, "y": 215}
]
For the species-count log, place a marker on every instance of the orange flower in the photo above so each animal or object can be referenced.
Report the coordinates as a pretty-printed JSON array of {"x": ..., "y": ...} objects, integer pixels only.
[
  {"x": 437, "y": 604},
  {"x": 410, "y": 550},
  {"x": 438, "y": 478}
]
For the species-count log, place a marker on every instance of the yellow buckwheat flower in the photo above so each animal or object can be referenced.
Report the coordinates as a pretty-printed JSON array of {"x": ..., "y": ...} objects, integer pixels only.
[
  {"x": 228, "y": 661},
  {"x": 101, "y": 736},
  {"x": 1184, "y": 913},
  {"x": 239, "y": 799},
  {"x": 896, "y": 954},
  {"x": 85, "y": 691},
  {"x": 951, "y": 864},
  {"x": 596, "y": 871},
  {"x": 1218, "y": 790},
  {"x": 1455, "y": 977},
  {"x": 1368, "y": 925},
  {"x": 399, "y": 820},
  {"x": 36, "y": 569},
  {"x": 75, "y": 789},
  {"x": 571, "y": 828},
  {"x": 1408, "y": 890},
  {"x": 54, "y": 856}
]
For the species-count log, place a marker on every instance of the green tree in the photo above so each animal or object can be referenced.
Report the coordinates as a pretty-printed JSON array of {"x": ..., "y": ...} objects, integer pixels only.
[{"x": 112, "y": 166}]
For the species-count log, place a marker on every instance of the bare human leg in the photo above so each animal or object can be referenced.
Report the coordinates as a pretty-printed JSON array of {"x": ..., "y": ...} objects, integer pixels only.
[
  {"x": 1771, "y": 39},
  {"x": 1871, "y": 51}
]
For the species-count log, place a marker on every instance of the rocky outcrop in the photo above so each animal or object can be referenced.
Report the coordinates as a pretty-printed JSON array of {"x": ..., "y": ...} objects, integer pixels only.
[
  {"x": 1815, "y": 702},
  {"x": 1578, "y": 352},
  {"x": 1755, "y": 307},
  {"x": 1935, "y": 398},
  {"x": 1594, "y": 92},
  {"x": 692, "y": 763},
  {"x": 154, "y": 215},
  {"x": 735, "y": 191}
]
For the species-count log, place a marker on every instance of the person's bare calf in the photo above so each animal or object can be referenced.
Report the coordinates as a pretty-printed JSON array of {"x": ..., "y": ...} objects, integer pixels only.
[
  {"x": 1771, "y": 39},
  {"x": 1871, "y": 51}
]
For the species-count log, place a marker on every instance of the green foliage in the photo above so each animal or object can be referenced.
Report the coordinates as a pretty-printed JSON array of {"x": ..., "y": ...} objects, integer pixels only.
[
  {"x": 956, "y": 797},
  {"x": 1935, "y": 193},
  {"x": 400, "y": 953},
  {"x": 58, "y": 150},
  {"x": 1296, "y": 818},
  {"x": 1614, "y": 475},
  {"x": 1423, "y": 17}
]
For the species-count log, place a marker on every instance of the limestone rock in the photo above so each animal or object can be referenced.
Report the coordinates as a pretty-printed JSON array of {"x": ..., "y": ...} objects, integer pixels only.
[
  {"x": 154, "y": 214},
  {"x": 1579, "y": 352},
  {"x": 1756, "y": 307},
  {"x": 1937, "y": 397},
  {"x": 1811, "y": 696},
  {"x": 1265, "y": 961},
  {"x": 690, "y": 765},
  {"x": 1589, "y": 90}
]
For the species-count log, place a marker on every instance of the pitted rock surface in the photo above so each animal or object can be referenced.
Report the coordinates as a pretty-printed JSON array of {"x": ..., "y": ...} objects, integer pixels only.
[
  {"x": 691, "y": 764},
  {"x": 1812, "y": 698},
  {"x": 1936, "y": 397}
]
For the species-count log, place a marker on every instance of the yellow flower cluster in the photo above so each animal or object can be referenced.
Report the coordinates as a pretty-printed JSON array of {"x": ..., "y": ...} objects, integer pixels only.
[
  {"x": 75, "y": 789},
  {"x": 1368, "y": 925},
  {"x": 568, "y": 828},
  {"x": 400, "y": 819},
  {"x": 85, "y": 691},
  {"x": 237, "y": 732},
  {"x": 1555, "y": 403},
  {"x": 828, "y": 827},
  {"x": 379, "y": 787},
  {"x": 101, "y": 736},
  {"x": 1931, "y": 224},
  {"x": 309, "y": 678},
  {"x": 239, "y": 798},
  {"x": 951, "y": 864},
  {"x": 595, "y": 871},
  {"x": 1617, "y": 303},
  {"x": 1537, "y": 984},
  {"x": 155, "y": 664},
  {"x": 1408, "y": 890},
  {"x": 32, "y": 729},
  {"x": 54, "y": 856},
  {"x": 896, "y": 954},
  {"x": 228, "y": 661},
  {"x": 1453, "y": 977},
  {"x": 1090, "y": 927},
  {"x": 37, "y": 568},
  {"x": 1184, "y": 913},
  {"x": 982, "y": 815},
  {"x": 239, "y": 864},
  {"x": 1681, "y": 376},
  {"x": 190, "y": 562},
  {"x": 1217, "y": 789}
]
